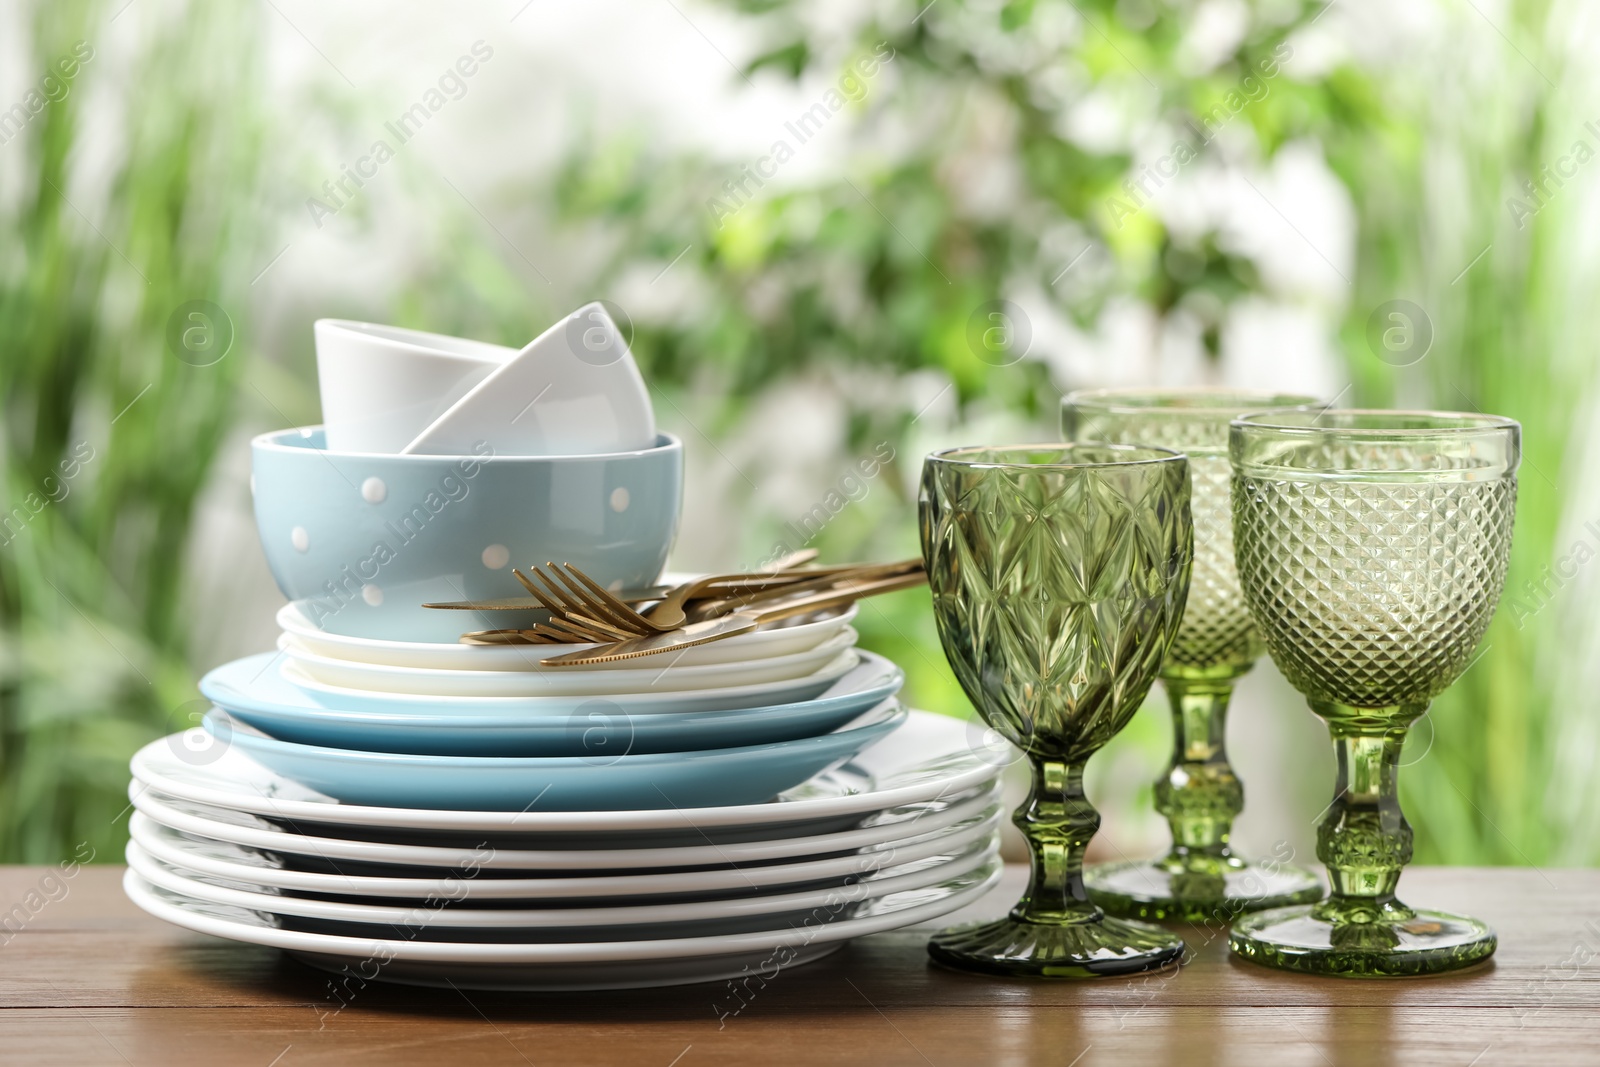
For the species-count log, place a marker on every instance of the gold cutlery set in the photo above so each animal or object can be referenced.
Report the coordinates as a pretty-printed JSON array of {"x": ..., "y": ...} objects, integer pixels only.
[{"x": 581, "y": 611}]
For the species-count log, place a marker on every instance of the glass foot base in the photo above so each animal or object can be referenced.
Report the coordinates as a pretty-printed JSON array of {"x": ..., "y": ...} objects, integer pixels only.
[
  {"x": 1100, "y": 949},
  {"x": 1428, "y": 942},
  {"x": 1204, "y": 889}
]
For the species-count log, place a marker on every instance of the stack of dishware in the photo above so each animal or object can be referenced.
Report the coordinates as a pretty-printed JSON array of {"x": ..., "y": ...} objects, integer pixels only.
[{"x": 380, "y": 797}]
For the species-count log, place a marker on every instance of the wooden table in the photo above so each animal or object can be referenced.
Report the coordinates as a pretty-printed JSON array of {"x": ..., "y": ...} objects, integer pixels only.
[{"x": 88, "y": 978}]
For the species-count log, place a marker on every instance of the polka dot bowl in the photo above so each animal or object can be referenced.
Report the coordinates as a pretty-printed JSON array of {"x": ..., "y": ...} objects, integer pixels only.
[{"x": 361, "y": 541}]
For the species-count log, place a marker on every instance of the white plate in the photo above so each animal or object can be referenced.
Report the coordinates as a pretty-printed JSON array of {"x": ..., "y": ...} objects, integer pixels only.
[
  {"x": 238, "y": 863},
  {"x": 775, "y": 639},
  {"x": 734, "y": 696},
  {"x": 929, "y": 757},
  {"x": 436, "y": 913},
  {"x": 656, "y": 674},
  {"x": 579, "y": 966},
  {"x": 252, "y": 832}
]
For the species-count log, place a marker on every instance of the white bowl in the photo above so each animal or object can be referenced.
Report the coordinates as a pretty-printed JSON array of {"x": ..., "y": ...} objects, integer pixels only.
[
  {"x": 657, "y": 674},
  {"x": 775, "y": 639},
  {"x": 383, "y": 385},
  {"x": 573, "y": 390}
]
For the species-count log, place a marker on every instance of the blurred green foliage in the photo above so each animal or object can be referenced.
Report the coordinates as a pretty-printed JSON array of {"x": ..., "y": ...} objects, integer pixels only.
[
  {"x": 108, "y": 438},
  {"x": 883, "y": 266},
  {"x": 963, "y": 184}
]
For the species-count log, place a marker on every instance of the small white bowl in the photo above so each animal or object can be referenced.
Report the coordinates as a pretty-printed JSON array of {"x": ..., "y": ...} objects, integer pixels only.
[
  {"x": 382, "y": 385},
  {"x": 574, "y": 390}
]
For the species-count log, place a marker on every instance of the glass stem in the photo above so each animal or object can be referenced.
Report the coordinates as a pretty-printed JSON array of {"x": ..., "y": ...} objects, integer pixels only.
[
  {"x": 1364, "y": 838},
  {"x": 1058, "y": 822},
  {"x": 1200, "y": 795}
]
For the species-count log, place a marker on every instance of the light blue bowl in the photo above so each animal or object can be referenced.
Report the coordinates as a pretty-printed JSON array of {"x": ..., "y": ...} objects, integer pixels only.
[
  {"x": 749, "y": 774},
  {"x": 251, "y": 689},
  {"x": 360, "y": 542}
]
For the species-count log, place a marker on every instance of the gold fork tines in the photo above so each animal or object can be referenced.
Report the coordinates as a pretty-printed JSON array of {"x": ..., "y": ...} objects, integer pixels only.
[
  {"x": 600, "y": 601},
  {"x": 577, "y": 611},
  {"x": 561, "y": 627},
  {"x": 565, "y": 624}
]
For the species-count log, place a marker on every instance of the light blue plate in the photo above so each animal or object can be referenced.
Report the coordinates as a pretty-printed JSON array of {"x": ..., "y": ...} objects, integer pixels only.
[
  {"x": 251, "y": 689},
  {"x": 748, "y": 774}
]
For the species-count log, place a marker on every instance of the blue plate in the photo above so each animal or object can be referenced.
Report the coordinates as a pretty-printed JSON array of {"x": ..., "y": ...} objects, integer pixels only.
[
  {"x": 748, "y": 774},
  {"x": 251, "y": 689}
]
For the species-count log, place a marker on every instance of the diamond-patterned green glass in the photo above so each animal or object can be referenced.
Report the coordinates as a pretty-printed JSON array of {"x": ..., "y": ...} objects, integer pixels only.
[
  {"x": 1372, "y": 548},
  {"x": 1058, "y": 575},
  {"x": 1200, "y": 878}
]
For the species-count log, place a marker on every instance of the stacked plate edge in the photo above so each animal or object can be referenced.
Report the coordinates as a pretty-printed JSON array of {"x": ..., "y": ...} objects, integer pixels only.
[{"x": 903, "y": 833}]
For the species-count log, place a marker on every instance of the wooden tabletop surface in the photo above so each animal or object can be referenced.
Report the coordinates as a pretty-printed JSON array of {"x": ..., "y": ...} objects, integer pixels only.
[{"x": 85, "y": 977}]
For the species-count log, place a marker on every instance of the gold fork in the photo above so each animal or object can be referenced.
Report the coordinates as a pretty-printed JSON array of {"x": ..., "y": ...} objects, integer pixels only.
[
  {"x": 575, "y": 598},
  {"x": 707, "y": 584},
  {"x": 581, "y": 612},
  {"x": 577, "y": 603},
  {"x": 584, "y": 612}
]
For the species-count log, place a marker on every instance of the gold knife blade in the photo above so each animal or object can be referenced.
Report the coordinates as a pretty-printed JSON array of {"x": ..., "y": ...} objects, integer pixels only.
[
  {"x": 696, "y": 633},
  {"x": 528, "y": 603}
]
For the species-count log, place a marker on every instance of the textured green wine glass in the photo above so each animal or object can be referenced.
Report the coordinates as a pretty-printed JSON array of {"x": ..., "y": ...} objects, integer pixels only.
[
  {"x": 1200, "y": 878},
  {"x": 1372, "y": 549},
  {"x": 1058, "y": 575}
]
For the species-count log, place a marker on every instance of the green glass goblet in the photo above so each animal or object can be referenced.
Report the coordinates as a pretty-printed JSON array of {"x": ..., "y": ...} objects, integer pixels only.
[
  {"x": 1372, "y": 548},
  {"x": 1058, "y": 575},
  {"x": 1200, "y": 878}
]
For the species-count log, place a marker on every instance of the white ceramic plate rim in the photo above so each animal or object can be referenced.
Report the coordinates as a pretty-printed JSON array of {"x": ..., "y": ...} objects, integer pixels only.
[
  {"x": 879, "y": 836},
  {"x": 177, "y": 851},
  {"x": 877, "y": 884},
  {"x": 965, "y": 768},
  {"x": 663, "y": 674},
  {"x": 875, "y": 673},
  {"x": 142, "y": 894},
  {"x": 837, "y": 668},
  {"x": 293, "y": 621}
]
